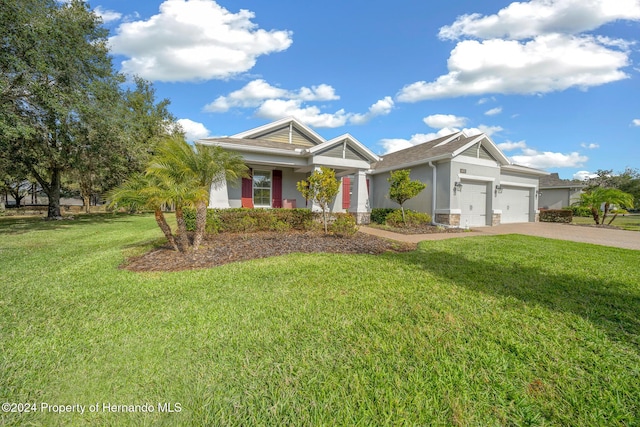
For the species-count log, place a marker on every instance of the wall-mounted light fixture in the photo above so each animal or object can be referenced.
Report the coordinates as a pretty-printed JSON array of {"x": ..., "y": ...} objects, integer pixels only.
[
  {"x": 457, "y": 186},
  {"x": 498, "y": 188},
  {"x": 538, "y": 193}
]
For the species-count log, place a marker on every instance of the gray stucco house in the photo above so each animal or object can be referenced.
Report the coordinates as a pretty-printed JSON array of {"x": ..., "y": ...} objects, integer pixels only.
[
  {"x": 469, "y": 180},
  {"x": 559, "y": 193}
]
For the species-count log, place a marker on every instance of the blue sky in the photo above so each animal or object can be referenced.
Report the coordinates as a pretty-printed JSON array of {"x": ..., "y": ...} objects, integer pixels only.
[{"x": 555, "y": 83}]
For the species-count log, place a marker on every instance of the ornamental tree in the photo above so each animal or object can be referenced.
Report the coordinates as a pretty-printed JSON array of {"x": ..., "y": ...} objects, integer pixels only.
[
  {"x": 321, "y": 187},
  {"x": 401, "y": 188}
]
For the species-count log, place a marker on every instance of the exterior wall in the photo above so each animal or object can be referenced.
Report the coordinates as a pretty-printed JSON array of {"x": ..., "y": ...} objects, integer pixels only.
[
  {"x": 523, "y": 181},
  {"x": 379, "y": 190},
  {"x": 558, "y": 198}
]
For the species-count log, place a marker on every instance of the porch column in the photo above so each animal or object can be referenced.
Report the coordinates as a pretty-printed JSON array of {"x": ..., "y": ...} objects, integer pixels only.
[
  {"x": 312, "y": 204},
  {"x": 219, "y": 195},
  {"x": 360, "y": 205}
]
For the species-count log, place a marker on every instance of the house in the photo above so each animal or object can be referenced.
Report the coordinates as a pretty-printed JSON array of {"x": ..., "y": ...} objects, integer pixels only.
[
  {"x": 469, "y": 180},
  {"x": 559, "y": 193}
]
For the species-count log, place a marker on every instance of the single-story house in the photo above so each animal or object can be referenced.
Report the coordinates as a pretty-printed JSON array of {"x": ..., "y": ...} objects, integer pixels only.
[
  {"x": 559, "y": 193},
  {"x": 469, "y": 180}
]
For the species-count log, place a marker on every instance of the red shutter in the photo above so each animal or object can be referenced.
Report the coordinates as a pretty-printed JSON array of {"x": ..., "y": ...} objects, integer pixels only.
[
  {"x": 276, "y": 189},
  {"x": 247, "y": 191},
  {"x": 346, "y": 192}
]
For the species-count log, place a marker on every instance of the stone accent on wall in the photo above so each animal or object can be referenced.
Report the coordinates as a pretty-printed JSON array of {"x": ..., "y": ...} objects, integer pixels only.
[
  {"x": 448, "y": 219},
  {"x": 496, "y": 218},
  {"x": 537, "y": 217},
  {"x": 362, "y": 217}
]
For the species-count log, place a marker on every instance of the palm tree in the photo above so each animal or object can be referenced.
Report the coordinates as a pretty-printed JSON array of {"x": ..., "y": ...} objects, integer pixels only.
[
  {"x": 195, "y": 169},
  {"x": 142, "y": 191},
  {"x": 604, "y": 197}
]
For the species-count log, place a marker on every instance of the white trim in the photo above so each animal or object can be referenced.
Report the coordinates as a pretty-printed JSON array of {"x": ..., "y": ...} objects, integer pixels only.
[
  {"x": 449, "y": 211},
  {"x": 475, "y": 177},
  {"x": 278, "y": 123},
  {"x": 410, "y": 164},
  {"x": 345, "y": 138},
  {"x": 497, "y": 211},
  {"x": 492, "y": 148},
  {"x": 475, "y": 161},
  {"x": 255, "y": 149},
  {"x": 517, "y": 184},
  {"x": 525, "y": 170}
]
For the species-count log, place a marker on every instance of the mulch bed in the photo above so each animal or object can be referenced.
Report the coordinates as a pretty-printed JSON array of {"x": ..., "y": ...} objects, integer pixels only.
[
  {"x": 225, "y": 248},
  {"x": 418, "y": 229}
]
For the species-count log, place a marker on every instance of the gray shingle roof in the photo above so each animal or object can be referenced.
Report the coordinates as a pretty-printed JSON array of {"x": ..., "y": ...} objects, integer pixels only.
[
  {"x": 424, "y": 151},
  {"x": 553, "y": 180},
  {"x": 255, "y": 143}
]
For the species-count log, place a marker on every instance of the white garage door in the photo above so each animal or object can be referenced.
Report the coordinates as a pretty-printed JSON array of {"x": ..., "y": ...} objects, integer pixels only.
[
  {"x": 515, "y": 204},
  {"x": 473, "y": 198}
]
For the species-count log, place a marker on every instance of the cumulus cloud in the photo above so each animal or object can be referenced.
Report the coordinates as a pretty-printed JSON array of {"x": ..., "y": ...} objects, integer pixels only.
[
  {"x": 548, "y": 63},
  {"x": 510, "y": 145},
  {"x": 439, "y": 121},
  {"x": 548, "y": 159},
  {"x": 584, "y": 175},
  {"x": 194, "y": 40},
  {"x": 193, "y": 130},
  {"x": 257, "y": 91},
  {"x": 107, "y": 15},
  {"x": 635, "y": 122},
  {"x": 591, "y": 146},
  {"x": 522, "y": 20},
  {"x": 273, "y": 102},
  {"x": 493, "y": 111}
]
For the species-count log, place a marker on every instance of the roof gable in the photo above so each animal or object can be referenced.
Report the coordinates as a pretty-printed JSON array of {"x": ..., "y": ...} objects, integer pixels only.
[
  {"x": 288, "y": 130},
  {"x": 346, "y": 147},
  {"x": 484, "y": 148}
]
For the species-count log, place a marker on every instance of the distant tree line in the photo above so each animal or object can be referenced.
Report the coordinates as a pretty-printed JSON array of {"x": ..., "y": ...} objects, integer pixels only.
[
  {"x": 68, "y": 121},
  {"x": 607, "y": 190}
]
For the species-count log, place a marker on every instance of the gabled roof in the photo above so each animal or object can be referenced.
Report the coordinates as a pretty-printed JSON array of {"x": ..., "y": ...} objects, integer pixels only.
[
  {"x": 351, "y": 141},
  {"x": 553, "y": 181},
  {"x": 246, "y": 144},
  {"x": 416, "y": 154},
  {"x": 263, "y": 130}
]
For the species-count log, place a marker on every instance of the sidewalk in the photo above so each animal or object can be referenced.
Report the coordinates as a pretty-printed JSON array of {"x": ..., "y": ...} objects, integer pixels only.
[{"x": 598, "y": 236}]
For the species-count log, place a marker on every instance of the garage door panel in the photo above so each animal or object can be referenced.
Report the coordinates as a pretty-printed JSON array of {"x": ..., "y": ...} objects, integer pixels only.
[
  {"x": 473, "y": 204},
  {"x": 515, "y": 204}
]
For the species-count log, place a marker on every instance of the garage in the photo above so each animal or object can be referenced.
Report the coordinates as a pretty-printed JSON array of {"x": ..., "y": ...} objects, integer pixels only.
[
  {"x": 473, "y": 204},
  {"x": 515, "y": 204}
]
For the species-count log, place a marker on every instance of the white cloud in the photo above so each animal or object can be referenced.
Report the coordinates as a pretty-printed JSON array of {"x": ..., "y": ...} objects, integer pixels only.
[
  {"x": 584, "y": 175},
  {"x": 278, "y": 108},
  {"x": 193, "y": 130},
  {"x": 487, "y": 130},
  {"x": 522, "y": 20},
  {"x": 591, "y": 146},
  {"x": 194, "y": 40},
  {"x": 548, "y": 159},
  {"x": 493, "y": 111},
  {"x": 439, "y": 121},
  {"x": 107, "y": 15},
  {"x": 547, "y": 63},
  {"x": 381, "y": 108},
  {"x": 485, "y": 100},
  {"x": 395, "y": 144},
  {"x": 257, "y": 91},
  {"x": 635, "y": 122},
  {"x": 510, "y": 145}
]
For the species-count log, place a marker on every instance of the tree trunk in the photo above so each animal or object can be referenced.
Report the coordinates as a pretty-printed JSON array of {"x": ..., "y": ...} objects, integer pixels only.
[
  {"x": 324, "y": 220},
  {"x": 404, "y": 221},
  {"x": 611, "y": 220},
  {"x": 53, "y": 193},
  {"x": 201, "y": 224},
  {"x": 596, "y": 216},
  {"x": 183, "y": 238},
  {"x": 86, "y": 203},
  {"x": 162, "y": 223},
  {"x": 605, "y": 212}
]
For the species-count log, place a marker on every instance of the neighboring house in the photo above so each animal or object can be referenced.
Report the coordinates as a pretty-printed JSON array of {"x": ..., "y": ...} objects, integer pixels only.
[
  {"x": 469, "y": 180},
  {"x": 559, "y": 193}
]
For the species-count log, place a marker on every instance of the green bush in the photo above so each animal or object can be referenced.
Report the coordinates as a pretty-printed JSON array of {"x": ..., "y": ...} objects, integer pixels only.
[
  {"x": 581, "y": 211},
  {"x": 344, "y": 224},
  {"x": 556, "y": 215},
  {"x": 379, "y": 215},
  {"x": 394, "y": 219},
  {"x": 242, "y": 220}
]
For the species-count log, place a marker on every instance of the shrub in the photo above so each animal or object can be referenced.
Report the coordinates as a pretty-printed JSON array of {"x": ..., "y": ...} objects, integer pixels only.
[
  {"x": 242, "y": 220},
  {"x": 581, "y": 211},
  {"x": 344, "y": 224},
  {"x": 379, "y": 215},
  {"x": 394, "y": 219},
  {"x": 556, "y": 215}
]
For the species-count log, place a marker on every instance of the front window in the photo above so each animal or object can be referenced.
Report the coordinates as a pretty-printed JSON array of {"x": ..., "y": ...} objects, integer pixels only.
[{"x": 261, "y": 188}]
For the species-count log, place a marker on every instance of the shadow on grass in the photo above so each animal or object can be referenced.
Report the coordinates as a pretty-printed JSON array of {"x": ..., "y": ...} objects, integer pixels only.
[
  {"x": 606, "y": 303},
  {"x": 20, "y": 225}
]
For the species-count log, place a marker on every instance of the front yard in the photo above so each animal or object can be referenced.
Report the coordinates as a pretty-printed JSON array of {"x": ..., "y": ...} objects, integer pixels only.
[
  {"x": 488, "y": 330},
  {"x": 629, "y": 222}
]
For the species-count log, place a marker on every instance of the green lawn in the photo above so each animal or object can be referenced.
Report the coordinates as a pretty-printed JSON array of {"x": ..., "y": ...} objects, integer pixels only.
[
  {"x": 626, "y": 222},
  {"x": 493, "y": 330}
]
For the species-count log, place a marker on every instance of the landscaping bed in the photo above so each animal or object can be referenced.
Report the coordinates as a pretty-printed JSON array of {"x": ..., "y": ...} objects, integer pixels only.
[
  {"x": 418, "y": 229},
  {"x": 224, "y": 248}
]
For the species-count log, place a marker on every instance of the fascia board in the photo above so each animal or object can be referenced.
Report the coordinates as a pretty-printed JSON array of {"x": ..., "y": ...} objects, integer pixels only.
[{"x": 410, "y": 164}]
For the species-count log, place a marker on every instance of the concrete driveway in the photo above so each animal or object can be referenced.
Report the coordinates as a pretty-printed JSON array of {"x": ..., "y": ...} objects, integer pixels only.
[{"x": 598, "y": 236}]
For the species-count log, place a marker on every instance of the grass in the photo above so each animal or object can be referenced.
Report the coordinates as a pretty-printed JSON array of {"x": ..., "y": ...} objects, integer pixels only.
[
  {"x": 493, "y": 330},
  {"x": 626, "y": 222}
]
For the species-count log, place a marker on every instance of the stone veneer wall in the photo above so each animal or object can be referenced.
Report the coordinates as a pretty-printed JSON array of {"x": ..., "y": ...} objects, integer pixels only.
[
  {"x": 448, "y": 219},
  {"x": 362, "y": 217},
  {"x": 495, "y": 219}
]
